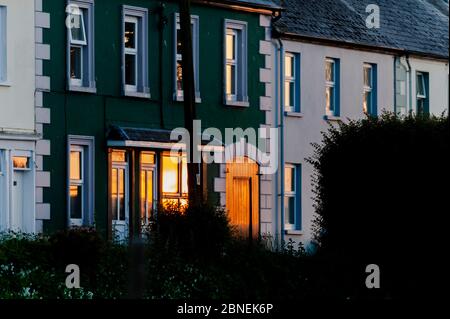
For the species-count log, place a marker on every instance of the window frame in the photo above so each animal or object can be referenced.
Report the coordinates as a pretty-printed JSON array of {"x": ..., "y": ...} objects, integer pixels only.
[
  {"x": 142, "y": 87},
  {"x": 372, "y": 106},
  {"x": 178, "y": 95},
  {"x": 424, "y": 98},
  {"x": 296, "y": 194},
  {"x": 87, "y": 82},
  {"x": 3, "y": 44},
  {"x": 179, "y": 196},
  {"x": 331, "y": 84},
  {"x": 295, "y": 79},
  {"x": 241, "y": 73},
  {"x": 87, "y": 145},
  {"x": 145, "y": 168},
  {"x": 125, "y": 167}
]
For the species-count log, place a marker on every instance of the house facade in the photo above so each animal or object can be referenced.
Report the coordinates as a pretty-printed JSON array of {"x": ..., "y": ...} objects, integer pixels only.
[
  {"x": 347, "y": 70},
  {"x": 21, "y": 114},
  {"x": 116, "y": 94}
]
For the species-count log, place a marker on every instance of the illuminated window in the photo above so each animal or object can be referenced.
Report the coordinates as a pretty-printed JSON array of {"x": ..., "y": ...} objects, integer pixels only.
[
  {"x": 119, "y": 186},
  {"x": 235, "y": 64},
  {"x": 369, "y": 89},
  {"x": 80, "y": 64},
  {"x": 81, "y": 181},
  {"x": 135, "y": 52},
  {"x": 21, "y": 162},
  {"x": 147, "y": 187},
  {"x": 332, "y": 87},
  {"x": 179, "y": 94},
  {"x": 292, "y": 199},
  {"x": 174, "y": 179}
]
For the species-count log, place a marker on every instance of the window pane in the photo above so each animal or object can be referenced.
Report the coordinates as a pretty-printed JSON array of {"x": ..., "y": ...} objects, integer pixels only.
[
  {"x": 329, "y": 99},
  {"x": 231, "y": 42},
  {"x": 118, "y": 157},
  {"x": 289, "y": 179},
  {"x": 231, "y": 80},
  {"x": 147, "y": 158},
  {"x": 420, "y": 84},
  {"x": 329, "y": 71},
  {"x": 289, "y": 208},
  {"x": 180, "y": 75},
  {"x": 121, "y": 194},
  {"x": 75, "y": 201},
  {"x": 114, "y": 193},
  {"x": 289, "y": 67},
  {"x": 75, "y": 62},
  {"x": 75, "y": 165},
  {"x": 130, "y": 69},
  {"x": 142, "y": 196},
  {"x": 20, "y": 162},
  {"x": 149, "y": 193},
  {"x": 184, "y": 176},
  {"x": 130, "y": 35},
  {"x": 367, "y": 77},
  {"x": 77, "y": 29},
  {"x": 366, "y": 102},
  {"x": 170, "y": 174}
]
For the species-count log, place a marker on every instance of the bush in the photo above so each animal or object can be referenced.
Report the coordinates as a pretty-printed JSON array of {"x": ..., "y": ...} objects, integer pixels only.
[{"x": 381, "y": 198}]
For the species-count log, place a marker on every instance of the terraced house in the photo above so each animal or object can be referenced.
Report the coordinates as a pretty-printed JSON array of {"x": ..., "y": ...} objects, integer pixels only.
[
  {"x": 21, "y": 115},
  {"x": 331, "y": 65},
  {"x": 116, "y": 93}
]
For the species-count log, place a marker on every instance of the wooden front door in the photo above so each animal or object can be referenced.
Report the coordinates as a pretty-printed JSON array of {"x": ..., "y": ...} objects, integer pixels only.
[{"x": 242, "y": 197}]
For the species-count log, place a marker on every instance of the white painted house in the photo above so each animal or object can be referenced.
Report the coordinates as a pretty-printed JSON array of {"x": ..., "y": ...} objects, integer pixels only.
[
  {"x": 328, "y": 66},
  {"x": 21, "y": 114}
]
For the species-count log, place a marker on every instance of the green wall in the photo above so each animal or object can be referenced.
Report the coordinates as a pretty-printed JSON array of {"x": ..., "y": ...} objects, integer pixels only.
[{"x": 91, "y": 114}]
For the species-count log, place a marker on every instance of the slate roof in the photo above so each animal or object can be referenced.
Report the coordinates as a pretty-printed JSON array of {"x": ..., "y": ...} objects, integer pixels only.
[{"x": 415, "y": 26}]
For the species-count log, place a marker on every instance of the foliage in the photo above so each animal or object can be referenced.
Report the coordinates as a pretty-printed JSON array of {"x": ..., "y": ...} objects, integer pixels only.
[{"x": 380, "y": 198}]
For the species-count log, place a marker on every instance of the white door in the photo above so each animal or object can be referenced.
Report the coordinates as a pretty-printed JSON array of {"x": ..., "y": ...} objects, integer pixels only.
[
  {"x": 119, "y": 201},
  {"x": 17, "y": 217}
]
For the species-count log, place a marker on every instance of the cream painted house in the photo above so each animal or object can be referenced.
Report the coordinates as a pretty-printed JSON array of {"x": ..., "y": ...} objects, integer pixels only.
[
  {"x": 21, "y": 114},
  {"x": 329, "y": 67}
]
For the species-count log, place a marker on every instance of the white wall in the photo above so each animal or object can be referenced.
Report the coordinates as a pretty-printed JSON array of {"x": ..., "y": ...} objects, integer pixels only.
[
  {"x": 17, "y": 93},
  {"x": 300, "y": 132},
  {"x": 438, "y": 83}
]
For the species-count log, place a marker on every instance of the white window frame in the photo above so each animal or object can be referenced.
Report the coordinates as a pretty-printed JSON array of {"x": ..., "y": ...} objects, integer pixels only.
[
  {"x": 368, "y": 89},
  {"x": 294, "y": 107},
  {"x": 292, "y": 194},
  {"x": 421, "y": 96},
  {"x": 178, "y": 95},
  {"x": 122, "y": 166},
  {"x": 139, "y": 16},
  {"x": 331, "y": 84},
  {"x": 239, "y": 28},
  {"x": 3, "y": 44},
  {"x": 150, "y": 168},
  {"x": 85, "y": 144},
  {"x": 87, "y": 82}
]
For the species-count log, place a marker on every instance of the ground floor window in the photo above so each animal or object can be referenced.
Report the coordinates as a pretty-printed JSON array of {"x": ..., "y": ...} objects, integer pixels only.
[
  {"x": 292, "y": 198},
  {"x": 174, "y": 179},
  {"x": 81, "y": 181},
  {"x": 147, "y": 187}
]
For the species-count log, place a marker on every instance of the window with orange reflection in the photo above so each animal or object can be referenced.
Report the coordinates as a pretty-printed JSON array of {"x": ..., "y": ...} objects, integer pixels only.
[{"x": 174, "y": 179}]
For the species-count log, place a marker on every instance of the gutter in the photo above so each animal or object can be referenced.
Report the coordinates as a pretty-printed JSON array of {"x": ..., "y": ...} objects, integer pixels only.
[{"x": 410, "y": 82}]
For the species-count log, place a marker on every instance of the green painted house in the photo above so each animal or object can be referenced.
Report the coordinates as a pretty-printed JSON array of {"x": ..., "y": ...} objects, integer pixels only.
[{"x": 116, "y": 92}]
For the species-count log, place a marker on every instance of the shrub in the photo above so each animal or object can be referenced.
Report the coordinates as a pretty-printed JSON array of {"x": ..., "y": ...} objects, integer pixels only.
[{"x": 380, "y": 187}]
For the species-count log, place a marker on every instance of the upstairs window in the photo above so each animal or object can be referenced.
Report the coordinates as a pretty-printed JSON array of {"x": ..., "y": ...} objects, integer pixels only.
[
  {"x": 422, "y": 94},
  {"x": 2, "y": 44},
  {"x": 332, "y": 87},
  {"x": 370, "y": 89},
  {"x": 179, "y": 94},
  {"x": 80, "y": 30},
  {"x": 235, "y": 64},
  {"x": 292, "y": 82},
  {"x": 135, "y": 52}
]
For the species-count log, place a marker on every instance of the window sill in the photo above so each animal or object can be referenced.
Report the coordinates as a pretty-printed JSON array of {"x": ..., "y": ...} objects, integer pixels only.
[
  {"x": 178, "y": 98},
  {"x": 293, "y": 114},
  {"x": 137, "y": 94},
  {"x": 5, "y": 84},
  {"x": 83, "y": 89},
  {"x": 237, "y": 103},
  {"x": 293, "y": 232},
  {"x": 332, "y": 118}
]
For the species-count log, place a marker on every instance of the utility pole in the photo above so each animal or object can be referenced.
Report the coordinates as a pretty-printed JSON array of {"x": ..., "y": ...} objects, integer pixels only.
[{"x": 195, "y": 193}]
